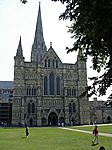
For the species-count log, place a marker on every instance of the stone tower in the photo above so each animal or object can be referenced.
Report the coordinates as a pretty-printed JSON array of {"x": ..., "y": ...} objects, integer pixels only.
[{"x": 46, "y": 91}]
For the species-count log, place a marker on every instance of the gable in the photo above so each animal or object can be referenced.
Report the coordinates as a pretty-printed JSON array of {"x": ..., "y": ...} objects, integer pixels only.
[{"x": 51, "y": 60}]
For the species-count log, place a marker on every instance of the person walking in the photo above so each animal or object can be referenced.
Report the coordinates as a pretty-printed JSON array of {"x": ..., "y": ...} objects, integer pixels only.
[
  {"x": 95, "y": 133},
  {"x": 27, "y": 130}
]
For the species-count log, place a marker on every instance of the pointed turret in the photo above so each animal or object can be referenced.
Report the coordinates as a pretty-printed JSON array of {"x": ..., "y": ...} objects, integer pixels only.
[
  {"x": 19, "y": 53},
  {"x": 38, "y": 47},
  {"x": 81, "y": 60},
  {"x": 80, "y": 55}
]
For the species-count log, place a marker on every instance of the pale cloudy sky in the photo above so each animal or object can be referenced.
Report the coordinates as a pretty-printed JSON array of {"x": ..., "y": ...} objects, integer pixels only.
[{"x": 17, "y": 19}]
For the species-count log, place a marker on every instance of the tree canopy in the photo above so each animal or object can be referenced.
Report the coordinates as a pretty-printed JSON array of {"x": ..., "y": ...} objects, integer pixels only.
[
  {"x": 91, "y": 28},
  {"x": 24, "y": 1}
]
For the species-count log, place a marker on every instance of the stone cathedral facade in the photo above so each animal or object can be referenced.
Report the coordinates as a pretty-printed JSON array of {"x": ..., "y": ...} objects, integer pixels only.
[{"x": 45, "y": 89}]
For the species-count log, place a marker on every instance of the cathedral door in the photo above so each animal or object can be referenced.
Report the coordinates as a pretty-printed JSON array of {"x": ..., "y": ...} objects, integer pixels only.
[{"x": 53, "y": 119}]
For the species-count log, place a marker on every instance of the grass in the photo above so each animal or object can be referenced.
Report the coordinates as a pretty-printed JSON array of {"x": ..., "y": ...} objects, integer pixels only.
[{"x": 50, "y": 139}]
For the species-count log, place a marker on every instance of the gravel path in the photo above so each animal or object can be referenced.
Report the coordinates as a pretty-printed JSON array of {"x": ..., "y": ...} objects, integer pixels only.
[{"x": 76, "y": 130}]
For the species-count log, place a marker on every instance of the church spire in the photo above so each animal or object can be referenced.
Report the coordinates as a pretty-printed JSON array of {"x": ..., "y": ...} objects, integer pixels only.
[
  {"x": 19, "y": 52},
  {"x": 38, "y": 44}
]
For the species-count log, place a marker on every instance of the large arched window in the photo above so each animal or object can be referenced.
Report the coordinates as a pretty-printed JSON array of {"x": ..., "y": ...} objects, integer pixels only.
[
  {"x": 33, "y": 108},
  {"x": 70, "y": 108},
  {"x": 74, "y": 107},
  {"x": 58, "y": 86},
  {"x": 45, "y": 86},
  {"x": 51, "y": 84},
  {"x": 29, "y": 108}
]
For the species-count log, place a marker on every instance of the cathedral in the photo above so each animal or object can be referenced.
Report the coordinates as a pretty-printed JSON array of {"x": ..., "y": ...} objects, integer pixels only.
[{"x": 46, "y": 90}]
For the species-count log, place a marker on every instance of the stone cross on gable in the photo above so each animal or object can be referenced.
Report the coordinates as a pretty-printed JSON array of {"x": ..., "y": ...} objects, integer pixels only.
[{"x": 50, "y": 44}]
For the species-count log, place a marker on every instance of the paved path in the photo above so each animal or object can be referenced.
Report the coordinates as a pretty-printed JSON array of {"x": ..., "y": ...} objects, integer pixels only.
[{"x": 76, "y": 130}]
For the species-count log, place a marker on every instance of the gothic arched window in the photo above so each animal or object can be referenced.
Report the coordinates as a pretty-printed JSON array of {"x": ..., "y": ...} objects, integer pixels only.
[
  {"x": 29, "y": 92},
  {"x": 33, "y": 108},
  {"x": 32, "y": 92},
  {"x": 74, "y": 107},
  {"x": 58, "y": 86},
  {"x": 53, "y": 63},
  {"x": 45, "y": 63},
  {"x": 51, "y": 84},
  {"x": 56, "y": 63},
  {"x": 70, "y": 108},
  {"x": 45, "y": 86},
  {"x": 73, "y": 92},
  {"x": 35, "y": 91},
  {"x": 48, "y": 62},
  {"x": 29, "y": 108},
  {"x": 68, "y": 92}
]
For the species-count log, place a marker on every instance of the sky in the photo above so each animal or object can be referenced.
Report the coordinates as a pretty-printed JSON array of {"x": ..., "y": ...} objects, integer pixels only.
[{"x": 18, "y": 19}]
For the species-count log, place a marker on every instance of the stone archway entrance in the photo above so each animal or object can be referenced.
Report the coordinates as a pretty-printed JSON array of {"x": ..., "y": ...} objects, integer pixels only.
[{"x": 53, "y": 119}]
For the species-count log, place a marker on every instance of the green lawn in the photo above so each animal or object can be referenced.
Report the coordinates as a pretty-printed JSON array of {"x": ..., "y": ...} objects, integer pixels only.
[{"x": 49, "y": 139}]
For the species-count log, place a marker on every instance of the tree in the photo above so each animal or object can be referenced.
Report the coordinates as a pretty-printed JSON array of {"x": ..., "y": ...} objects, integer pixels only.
[
  {"x": 91, "y": 28},
  {"x": 24, "y": 1}
]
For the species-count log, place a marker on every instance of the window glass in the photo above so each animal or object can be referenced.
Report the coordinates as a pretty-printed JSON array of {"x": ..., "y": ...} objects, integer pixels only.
[{"x": 51, "y": 83}]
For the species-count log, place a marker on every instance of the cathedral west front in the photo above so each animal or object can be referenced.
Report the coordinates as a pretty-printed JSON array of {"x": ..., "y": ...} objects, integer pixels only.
[{"x": 46, "y": 90}]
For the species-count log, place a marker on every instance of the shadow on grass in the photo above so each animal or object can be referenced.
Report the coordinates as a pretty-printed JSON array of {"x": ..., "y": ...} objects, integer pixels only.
[
  {"x": 94, "y": 144},
  {"x": 23, "y": 137}
]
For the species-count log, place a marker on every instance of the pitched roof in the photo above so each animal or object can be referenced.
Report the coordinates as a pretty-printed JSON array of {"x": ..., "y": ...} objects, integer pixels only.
[{"x": 6, "y": 85}]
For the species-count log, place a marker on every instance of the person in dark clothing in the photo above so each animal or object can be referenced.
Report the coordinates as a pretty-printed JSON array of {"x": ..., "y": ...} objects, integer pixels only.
[
  {"x": 102, "y": 148},
  {"x": 27, "y": 130}
]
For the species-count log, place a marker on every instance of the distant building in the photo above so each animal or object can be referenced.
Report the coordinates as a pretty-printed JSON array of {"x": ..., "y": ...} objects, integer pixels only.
[
  {"x": 99, "y": 112},
  {"x": 6, "y": 95},
  {"x": 45, "y": 89}
]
